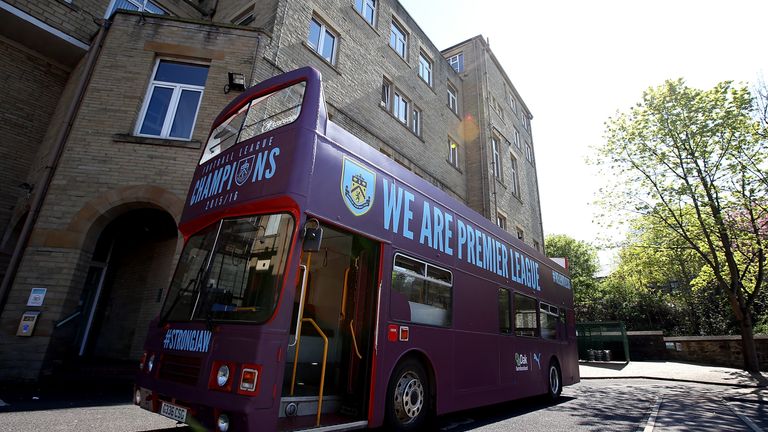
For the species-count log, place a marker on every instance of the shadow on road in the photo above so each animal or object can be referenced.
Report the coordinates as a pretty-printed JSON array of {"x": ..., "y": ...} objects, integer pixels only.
[{"x": 60, "y": 395}]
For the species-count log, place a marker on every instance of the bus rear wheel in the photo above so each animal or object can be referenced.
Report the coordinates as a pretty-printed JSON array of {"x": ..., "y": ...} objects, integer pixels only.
[
  {"x": 408, "y": 397},
  {"x": 555, "y": 381}
]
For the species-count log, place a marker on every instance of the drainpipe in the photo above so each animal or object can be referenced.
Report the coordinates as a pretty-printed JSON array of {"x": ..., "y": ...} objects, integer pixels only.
[
  {"x": 489, "y": 110},
  {"x": 50, "y": 170}
]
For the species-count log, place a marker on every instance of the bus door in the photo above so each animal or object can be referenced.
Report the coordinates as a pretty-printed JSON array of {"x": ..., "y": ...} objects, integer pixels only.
[{"x": 331, "y": 346}]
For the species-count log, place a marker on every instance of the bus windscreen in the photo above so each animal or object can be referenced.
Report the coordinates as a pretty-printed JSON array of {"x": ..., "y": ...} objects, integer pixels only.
[
  {"x": 231, "y": 271},
  {"x": 260, "y": 116}
]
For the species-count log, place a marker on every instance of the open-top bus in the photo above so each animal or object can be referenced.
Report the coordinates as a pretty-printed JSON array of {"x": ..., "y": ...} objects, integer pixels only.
[{"x": 323, "y": 286}]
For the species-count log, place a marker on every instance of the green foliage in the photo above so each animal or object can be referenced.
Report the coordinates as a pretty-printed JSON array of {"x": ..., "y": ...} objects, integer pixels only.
[
  {"x": 691, "y": 163},
  {"x": 582, "y": 264}
]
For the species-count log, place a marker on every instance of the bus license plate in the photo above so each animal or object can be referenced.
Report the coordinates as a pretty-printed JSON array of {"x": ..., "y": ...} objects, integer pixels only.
[{"x": 173, "y": 412}]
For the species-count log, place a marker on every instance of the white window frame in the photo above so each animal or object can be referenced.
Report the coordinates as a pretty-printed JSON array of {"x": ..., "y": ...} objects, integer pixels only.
[
  {"x": 453, "y": 153},
  {"x": 497, "y": 168},
  {"x": 416, "y": 120},
  {"x": 366, "y": 5},
  {"x": 453, "y": 100},
  {"x": 425, "y": 68},
  {"x": 516, "y": 137},
  {"x": 400, "y": 105},
  {"x": 386, "y": 94},
  {"x": 173, "y": 105},
  {"x": 501, "y": 221},
  {"x": 512, "y": 102},
  {"x": 400, "y": 37},
  {"x": 515, "y": 174},
  {"x": 141, "y": 4},
  {"x": 529, "y": 153},
  {"x": 457, "y": 62},
  {"x": 324, "y": 29}
]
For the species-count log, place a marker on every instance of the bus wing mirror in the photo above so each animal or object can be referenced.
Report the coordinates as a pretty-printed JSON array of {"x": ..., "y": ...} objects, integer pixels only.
[{"x": 313, "y": 236}]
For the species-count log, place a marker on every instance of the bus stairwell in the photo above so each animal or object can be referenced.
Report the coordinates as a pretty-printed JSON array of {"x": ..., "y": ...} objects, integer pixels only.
[{"x": 329, "y": 356}]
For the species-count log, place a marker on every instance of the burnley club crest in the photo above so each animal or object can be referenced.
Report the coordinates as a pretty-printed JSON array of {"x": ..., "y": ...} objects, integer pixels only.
[{"x": 358, "y": 186}]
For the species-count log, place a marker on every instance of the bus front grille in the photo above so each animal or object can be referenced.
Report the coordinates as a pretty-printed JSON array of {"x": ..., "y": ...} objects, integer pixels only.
[{"x": 180, "y": 369}]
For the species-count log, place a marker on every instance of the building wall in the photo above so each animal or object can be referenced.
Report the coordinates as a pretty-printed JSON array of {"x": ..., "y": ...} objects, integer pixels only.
[
  {"x": 486, "y": 100},
  {"x": 30, "y": 88},
  {"x": 353, "y": 84},
  {"x": 75, "y": 19},
  {"x": 104, "y": 171}
]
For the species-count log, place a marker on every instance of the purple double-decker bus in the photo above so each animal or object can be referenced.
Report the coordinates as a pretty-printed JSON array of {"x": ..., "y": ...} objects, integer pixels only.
[{"x": 322, "y": 286}]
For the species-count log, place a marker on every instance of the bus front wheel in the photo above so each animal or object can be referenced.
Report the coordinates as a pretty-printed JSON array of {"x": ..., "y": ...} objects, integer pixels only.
[
  {"x": 555, "y": 380},
  {"x": 408, "y": 397}
]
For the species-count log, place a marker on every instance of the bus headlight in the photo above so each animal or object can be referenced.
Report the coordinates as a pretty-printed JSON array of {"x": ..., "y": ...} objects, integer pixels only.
[
  {"x": 223, "y": 422},
  {"x": 222, "y": 378},
  {"x": 151, "y": 363}
]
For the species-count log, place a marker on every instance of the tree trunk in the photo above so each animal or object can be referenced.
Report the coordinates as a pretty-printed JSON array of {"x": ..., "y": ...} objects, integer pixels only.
[{"x": 748, "y": 347}]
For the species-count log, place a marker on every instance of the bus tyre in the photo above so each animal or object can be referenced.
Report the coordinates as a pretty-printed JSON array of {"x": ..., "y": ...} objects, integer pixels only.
[
  {"x": 408, "y": 398},
  {"x": 555, "y": 381}
]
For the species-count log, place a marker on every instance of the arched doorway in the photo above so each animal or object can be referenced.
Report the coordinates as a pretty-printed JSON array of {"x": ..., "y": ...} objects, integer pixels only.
[{"x": 130, "y": 267}]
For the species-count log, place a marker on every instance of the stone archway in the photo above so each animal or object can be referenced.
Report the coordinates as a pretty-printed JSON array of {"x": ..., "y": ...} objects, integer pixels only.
[{"x": 127, "y": 240}]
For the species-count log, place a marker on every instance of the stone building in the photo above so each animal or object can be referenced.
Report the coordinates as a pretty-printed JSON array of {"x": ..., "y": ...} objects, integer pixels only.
[{"x": 106, "y": 104}]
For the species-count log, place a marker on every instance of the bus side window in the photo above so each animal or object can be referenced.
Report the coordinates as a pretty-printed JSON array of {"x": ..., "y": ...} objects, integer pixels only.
[
  {"x": 427, "y": 288},
  {"x": 526, "y": 322},
  {"x": 548, "y": 317},
  {"x": 505, "y": 323}
]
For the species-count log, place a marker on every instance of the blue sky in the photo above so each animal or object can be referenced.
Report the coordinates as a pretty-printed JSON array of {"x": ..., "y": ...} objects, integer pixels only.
[{"x": 576, "y": 63}]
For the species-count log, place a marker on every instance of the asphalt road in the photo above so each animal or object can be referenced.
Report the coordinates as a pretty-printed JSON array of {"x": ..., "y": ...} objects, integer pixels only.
[{"x": 593, "y": 405}]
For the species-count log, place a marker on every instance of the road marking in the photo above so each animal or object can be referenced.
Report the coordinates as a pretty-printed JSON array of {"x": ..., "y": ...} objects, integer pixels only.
[
  {"x": 742, "y": 417},
  {"x": 654, "y": 412}
]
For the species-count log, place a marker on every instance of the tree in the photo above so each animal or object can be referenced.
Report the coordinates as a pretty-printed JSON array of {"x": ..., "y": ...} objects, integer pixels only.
[
  {"x": 582, "y": 265},
  {"x": 694, "y": 161}
]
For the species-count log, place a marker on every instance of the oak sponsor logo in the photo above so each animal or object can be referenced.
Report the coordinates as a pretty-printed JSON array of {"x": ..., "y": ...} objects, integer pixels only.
[{"x": 521, "y": 362}]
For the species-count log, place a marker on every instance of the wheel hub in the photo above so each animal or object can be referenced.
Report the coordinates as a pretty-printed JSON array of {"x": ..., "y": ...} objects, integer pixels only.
[{"x": 409, "y": 397}]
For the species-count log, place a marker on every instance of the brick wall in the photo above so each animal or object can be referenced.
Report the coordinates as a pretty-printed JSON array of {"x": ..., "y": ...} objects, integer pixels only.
[
  {"x": 98, "y": 164},
  {"x": 716, "y": 350},
  {"x": 353, "y": 85},
  {"x": 30, "y": 88},
  {"x": 646, "y": 345}
]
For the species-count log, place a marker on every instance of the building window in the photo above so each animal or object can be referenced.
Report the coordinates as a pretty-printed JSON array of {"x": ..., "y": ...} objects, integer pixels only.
[
  {"x": 497, "y": 107},
  {"x": 427, "y": 288},
  {"x": 529, "y": 153},
  {"x": 425, "y": 69},
  {"x": 526, "y": 323},
  {"x": 453, "y": 101},
  {"x": 136, "y": 5},
  {"x": 520, "y": 235},
  {"x": 536, "y": 246},
  {"x": 416, "y": 121},
  {"x": 526, "y": 122},
  {"x": 516, "y": 138},
  {"x": 505, "y": 322},
  {"x": 322, "y": 40},
  {"x": 501, "y": 221},
  {"x": 386, "y": 94},
  {"x": 366, "y": 8},
  {"x": 515, "y": 177},
  {"x": 453, "y": 153},
  {"x": 400, "y": 108},
  {"x": 497, "y": 171},
  {"x": 457, "y": 62},
  {"x": 512, "y": 102},
  {"x": 172, "y": 100},
  {"x": 398, "y": 39}
]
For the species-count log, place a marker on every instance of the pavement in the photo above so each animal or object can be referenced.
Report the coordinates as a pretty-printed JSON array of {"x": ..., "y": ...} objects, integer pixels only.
[{"x": 672, "y": 371}]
